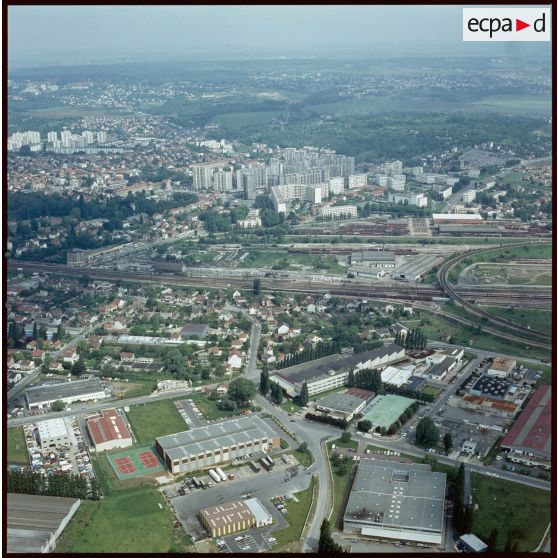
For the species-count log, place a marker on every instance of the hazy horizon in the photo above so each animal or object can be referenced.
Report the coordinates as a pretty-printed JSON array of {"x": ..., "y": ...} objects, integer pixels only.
[{"x": 61, "y": 35}]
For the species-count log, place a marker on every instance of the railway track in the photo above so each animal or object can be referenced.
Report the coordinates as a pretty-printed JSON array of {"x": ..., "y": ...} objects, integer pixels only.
[
  {"x": 460, "y": 300},
  {"x": 405, "y": 292}
]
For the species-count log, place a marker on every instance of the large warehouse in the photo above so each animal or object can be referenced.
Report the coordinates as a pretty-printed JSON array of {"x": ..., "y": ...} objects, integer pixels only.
[
  {"x": 332, "y": 372},
  {"x": 79, "y": 390},
  {"x": 529, "y": 440},
  {"x": 231, "y": 517},
  {"x": 344, "y": 406},
  {"x": 108, "y": 431},
  {"x": 216, "y": 443},
  {"x": 397, "y": 502},
  {"x": 34, "y": 523}
]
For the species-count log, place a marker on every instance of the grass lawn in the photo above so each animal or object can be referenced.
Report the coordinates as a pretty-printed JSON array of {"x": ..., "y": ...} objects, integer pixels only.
[
  {"x": 305, "y": 458},
  {"x": 290, "y": 406},
  {"x": 17, "y": 450},
  {"x": 524, "y": 508},
  {"x": 540, "y": 320},
  {"x": 340, "y": 444},
  {"x": 127, "y": 521},
  {"x": 431, "y": 390},
  {"x": 209, "y": 408},
  {"x": 298, "y": 511},
  {"x": 150, "y": 420}
]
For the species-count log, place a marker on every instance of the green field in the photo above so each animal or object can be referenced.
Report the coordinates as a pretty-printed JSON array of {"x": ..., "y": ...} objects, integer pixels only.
[
  {"x": 525, "y": 509},
  {"x": 209, "y": 408},
  {"x": 303, "y": 457},
  {"x": 387, "y": 410},
  {"x": 134, "y": 520},
  {"x": 17, "y": 449},
  {"x": 540, "y": 320},
  {"x": 520, "y": 103},
  {"x": 439, "y": 328},
  {"x": 298, "y": 511},
  {"x": 340, "y": 482},
  {"x": 290, "y": 406},
  {"x": 235, "y": 119},
  {"x": 431, "y": 390},
  {"x": 284, "y": 261},
  {"x": 151, "y": 420}
]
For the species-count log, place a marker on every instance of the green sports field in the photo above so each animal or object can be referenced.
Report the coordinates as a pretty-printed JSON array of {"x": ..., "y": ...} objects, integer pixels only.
[
  {"x": 135, "y": 462},
  {"x": 387, "y": 409}
]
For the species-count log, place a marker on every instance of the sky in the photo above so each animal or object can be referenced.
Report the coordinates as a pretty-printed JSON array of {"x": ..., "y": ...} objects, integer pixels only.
[{"x": 70, "y": 34}]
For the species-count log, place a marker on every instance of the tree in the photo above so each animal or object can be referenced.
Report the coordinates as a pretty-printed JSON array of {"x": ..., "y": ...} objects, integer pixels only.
[
  {"x": 304, "y": 397},
  {"x": 346, "y": 437},
  {"x": 427, "y": 433},
  {"x": 276, "y": 394},
  {"x": 79, "y": 368},
  {"x": 257, "y": 288},
  {"x": 241, "y": 391},
  {"x": 60, "y": 333},
  {"x": 95, "y": 489},
  {"x": 351, "y": 379},
  {"x": 448, "y": 441},
  {"x": 493, "y": 540},
  {"x": 364, "y": 425},
  {"x": 58, "y": 406},
  {"x": 326, "y": 544},
  {"x": 264, "y": 382}
]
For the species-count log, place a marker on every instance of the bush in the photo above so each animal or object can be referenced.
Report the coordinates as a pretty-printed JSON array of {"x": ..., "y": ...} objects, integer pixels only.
[{"x": 364, "y": 425}]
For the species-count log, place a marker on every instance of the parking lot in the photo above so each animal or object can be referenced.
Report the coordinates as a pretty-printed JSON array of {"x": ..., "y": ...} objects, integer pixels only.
[{"x": 283, "y": 480}]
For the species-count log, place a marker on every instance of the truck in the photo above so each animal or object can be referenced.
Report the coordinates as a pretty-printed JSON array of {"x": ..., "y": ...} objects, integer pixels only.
[
  {"x": 221, "y": 473},
  {"x": 255, "y": 467},
  {"x": 265, "y": 464},
  {"x": 214, "y": 475},
  {"x": 269, "y": 460},
  {"x": 196, "y": 482}
]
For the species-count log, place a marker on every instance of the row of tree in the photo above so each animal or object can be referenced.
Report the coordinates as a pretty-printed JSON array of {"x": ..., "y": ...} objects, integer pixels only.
[
  {"x": 61, "y": 484},
  {"x": 414, "y": 339},
  {"x": 322, "y": 349},
  {"x": 339, "y": 423}
]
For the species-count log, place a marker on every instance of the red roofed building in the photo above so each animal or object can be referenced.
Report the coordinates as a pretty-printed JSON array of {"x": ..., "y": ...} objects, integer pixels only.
[
  {"x": 529, "y": 440},
  {"x": 108, "y": 431}
]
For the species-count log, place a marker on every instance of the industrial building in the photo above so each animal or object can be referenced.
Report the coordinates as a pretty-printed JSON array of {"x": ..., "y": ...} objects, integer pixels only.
[
  {"x": 471, "y": 543},
  {"x": 397, "y": 502},
  {"x": 68, "y": 392},
  {"x": 457, "y": 218},
  {"x": 413, "y": 270},
  {"x": 491, "y": 387},
  {"x": 374, "y": 258},
  {"x": 529, "y": 440},
  {"x": 34, "y": 523},
  {"x": 332, "y": 372},
  {"x": 108, "y": 431},
  {"x": 397, "y": 376},
  {"x": 344, "y": 211},
  {"x": 225, "y": 519},
  {"x": 54, "y": 433},
  {"x": 194, "y": 330},
  {"x": 501, "y": 367},
  {"x": 343, "y": 406},
  {"x": 216, "y": 443},
  {"x": 439, "y": 370}
]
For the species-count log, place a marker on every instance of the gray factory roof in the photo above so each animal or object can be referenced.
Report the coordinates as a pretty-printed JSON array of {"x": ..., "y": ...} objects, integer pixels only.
[
  {"x": 442, "y": 367},
  {"x": 62, "y": 390},
  {"x": 419, "y": 265},
  {"x": 32, "y": 519},
  {"x": 343, "y": 402},
  {"x": 373, "y": 256},
  {"x": 322, "y": 367},
  {"x": 397, "y": 495},
  {"x": 215, "y": 436},
  {"x": 195, "y": 329}
]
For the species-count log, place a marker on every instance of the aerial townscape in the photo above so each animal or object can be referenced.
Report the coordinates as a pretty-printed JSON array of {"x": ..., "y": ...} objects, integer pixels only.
[{"x": 276, "y": 298}]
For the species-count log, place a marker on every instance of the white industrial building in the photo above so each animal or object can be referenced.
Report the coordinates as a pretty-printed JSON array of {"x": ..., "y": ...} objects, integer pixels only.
[
  {"x": 42, "y": 397},
  {"x": 338, "y": 211},
  {"x": 397, "y": 376},
  {"x": 54, "y": 433}
]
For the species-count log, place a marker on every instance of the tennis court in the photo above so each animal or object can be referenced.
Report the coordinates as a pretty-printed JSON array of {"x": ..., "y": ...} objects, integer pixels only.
[
  {"x": 135, "y": 462},
  {"x": 386, "y": 409}
]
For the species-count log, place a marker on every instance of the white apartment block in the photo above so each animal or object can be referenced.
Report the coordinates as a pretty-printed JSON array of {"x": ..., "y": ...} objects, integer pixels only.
[
  {"x": 397, "y": 182},
  {"x": 336, "y": 185},
  {"x": 358, "y": 181},
  {"x": 419, "y": 200},
  {"x": 381, "y": 180},
  {"x": 339, "y": 210},
  {"x": 469, "y": 196}
]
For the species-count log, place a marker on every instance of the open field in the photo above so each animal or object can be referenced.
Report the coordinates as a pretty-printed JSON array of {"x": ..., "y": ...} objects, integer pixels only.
[
  {"x": 296, "y": 518},
  {"x": 234, "y": 119},
  {"x": 540, "y": 320},
  {"x": 441, "y": 328},
  {"x": 151, "y": 420},
  {"x": 506, "y": 274},
  {"x": 17, "y": 450},
  {"x": 209, "y": 408},
  {"x": 525, "y": 509},
  {"x": 283, "y": 261},
  {"x": 131, "y": 389},
  {"x": 134, "y": 520}
]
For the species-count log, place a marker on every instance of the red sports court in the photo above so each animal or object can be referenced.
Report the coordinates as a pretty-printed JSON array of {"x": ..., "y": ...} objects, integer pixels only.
[
  {"x": 125, "y": 465},
  {"x": 149, "y": 460}
]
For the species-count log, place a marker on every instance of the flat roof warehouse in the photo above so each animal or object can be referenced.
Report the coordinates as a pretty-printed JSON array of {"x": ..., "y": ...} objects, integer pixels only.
[{"x": 63, "y": 390}]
